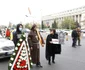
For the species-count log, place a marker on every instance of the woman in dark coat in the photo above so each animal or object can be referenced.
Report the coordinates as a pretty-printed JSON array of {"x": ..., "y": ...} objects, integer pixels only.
[
  {"x": 33, "y": 40},
  {"x": 52, "y": 49},
  {"x": 17, "y": 34}
]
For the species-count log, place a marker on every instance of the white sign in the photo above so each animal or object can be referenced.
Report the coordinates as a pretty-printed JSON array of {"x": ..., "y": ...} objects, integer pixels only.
[{"x": 55, "y": 41}]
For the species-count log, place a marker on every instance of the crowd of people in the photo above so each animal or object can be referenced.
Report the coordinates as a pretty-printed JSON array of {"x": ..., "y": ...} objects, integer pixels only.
[{"x": 35, "y": 39}]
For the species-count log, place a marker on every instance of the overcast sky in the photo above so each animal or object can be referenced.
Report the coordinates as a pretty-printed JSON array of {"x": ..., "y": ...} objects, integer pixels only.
[{"x": 15, "y": 10}]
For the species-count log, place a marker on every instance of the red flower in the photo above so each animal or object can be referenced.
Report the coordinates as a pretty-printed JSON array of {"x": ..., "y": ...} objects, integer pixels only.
[{"x": 23, "y": 63}]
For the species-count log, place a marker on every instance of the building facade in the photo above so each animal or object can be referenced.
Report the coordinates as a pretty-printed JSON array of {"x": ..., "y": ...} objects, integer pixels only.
[{"x": 77, "y": 14}]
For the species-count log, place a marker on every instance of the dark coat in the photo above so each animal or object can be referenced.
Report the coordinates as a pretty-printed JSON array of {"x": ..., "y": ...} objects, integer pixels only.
[
  {"x": 52, "y": 48},
  {"x": 17, "y": 35},
  {"x": 74, "y": 34}
]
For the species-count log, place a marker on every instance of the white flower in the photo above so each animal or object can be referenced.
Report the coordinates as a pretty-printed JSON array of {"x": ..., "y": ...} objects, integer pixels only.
[
  {"x": 27, "y": 44},
  {"x": 18, "y": 63},
  {"x": 23, "y": 51},
  {"x": 21, "y": 57},
  {"x": 30, "y": 58},
  {"x": 23, "y": 35},
  {"x": 28, "y": 50},
  {"x": 10, "y": 64},
  {"x": 25, "y": 58},
  {"x": 22, "y": 66},
  {"x": 20, "y": 40},
  {"x": 18, "y": 66},
  {"x": 16, "y": 48},
  {"x": 23, "y": 48},
  {"x": 25, "y": 66},
  {"x": 12, "y": 59},
  {"x": 13, "y": 53},
  {"x": 18, "y": 44},
  {"x": 29, "y": 53},
  {"x": 19, "y": 60},
  {"x": 22, "y": 54},
  {"x": 31, "y": 63}
]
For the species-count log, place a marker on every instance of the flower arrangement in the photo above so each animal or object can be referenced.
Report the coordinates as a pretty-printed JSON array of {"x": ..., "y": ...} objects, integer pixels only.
[{"x": 20, "y": 59}]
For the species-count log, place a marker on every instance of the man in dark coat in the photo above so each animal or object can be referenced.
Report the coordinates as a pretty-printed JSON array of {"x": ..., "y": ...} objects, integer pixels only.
[
  {"x": 74, "y": 37},
  {"x": 52, "y": 49},
  {"x": 17, "y": 34},
  {"x": 33, "y": 40}
]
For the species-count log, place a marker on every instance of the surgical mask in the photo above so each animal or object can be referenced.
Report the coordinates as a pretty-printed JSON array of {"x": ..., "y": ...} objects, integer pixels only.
[{"x": 20, "y": 29}]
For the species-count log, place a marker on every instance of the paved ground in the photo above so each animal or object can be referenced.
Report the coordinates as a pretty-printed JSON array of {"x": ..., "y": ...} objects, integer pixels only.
[{"x": 70, "y": 58}]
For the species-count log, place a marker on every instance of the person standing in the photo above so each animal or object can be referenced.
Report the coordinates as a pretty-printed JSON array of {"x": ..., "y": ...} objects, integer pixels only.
[
  {"x": 34, "y": 38},
  {"x": 74, "y": 37},
  {"x": 8, "y": 33},
  {"x": 0, "y": 31},
  {"x": 66, "y": 36},
  {"x": 51, "y": 48},
  {"x": 79, "y": 36},
  {"x": 17, "y": 34}
]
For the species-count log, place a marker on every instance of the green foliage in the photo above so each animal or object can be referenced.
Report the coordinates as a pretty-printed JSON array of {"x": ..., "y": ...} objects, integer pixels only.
[
  {"x": 38, "y": 25},
  {"x": 43, "y": 25},
  {"x": 14, "y": 26},
  {"x": 68, "y": 23},
  {"x": 28, "y": 25},
  {"x": 59, "y": 26},
  {"x": 55, "y": 25}
]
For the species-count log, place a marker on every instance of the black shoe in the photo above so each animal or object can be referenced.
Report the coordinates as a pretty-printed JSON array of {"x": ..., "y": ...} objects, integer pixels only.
[
  {"x": 39, "y": 65},
  {"x": 79, "y": 45},
  {"x": 74, "y": 46},
  {"x": 53, "y": 62},
  {"x": 49, "y": 63}
]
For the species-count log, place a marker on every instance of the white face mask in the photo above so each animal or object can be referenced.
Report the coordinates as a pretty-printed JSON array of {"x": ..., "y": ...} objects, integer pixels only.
[{"x": 20, "y": 29}]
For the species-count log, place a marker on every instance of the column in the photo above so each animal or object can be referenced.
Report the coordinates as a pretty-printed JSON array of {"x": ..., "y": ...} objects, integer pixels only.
[
  {"x": 78, "y": 19},
  {"x": 75, "y": 18}
]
